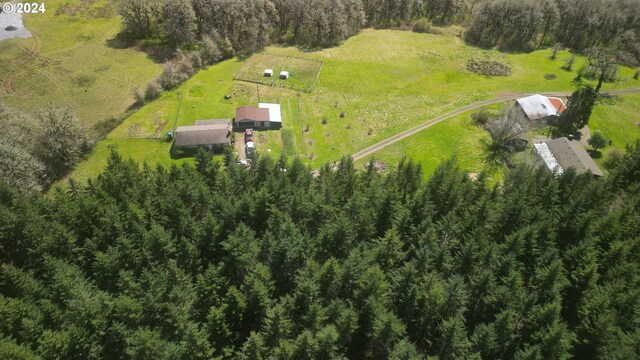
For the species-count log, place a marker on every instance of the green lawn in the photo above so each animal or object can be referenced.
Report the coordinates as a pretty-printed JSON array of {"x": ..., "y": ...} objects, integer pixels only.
[
  {"x": 375, "y": 85},
  {"x": 618, "y": 120},
  {"x": 457, "y": 137},
  {"x": 72, "y": 60}
]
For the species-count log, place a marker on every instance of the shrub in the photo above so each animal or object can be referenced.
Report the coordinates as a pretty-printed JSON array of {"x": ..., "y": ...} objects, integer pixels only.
[
  {"x": 614, "y": 159},
  {"x": 481, "y": 117},
  {"x": 422, "y": 26},
  {"x": 324, "y": 120},
  {"x": 139, "y": 96},
  {"x": 597, "y": 141},
  {"x": 153, "y": 91},
  {"x": 636, "y": 75},
  {"x": 569, "y": 64}
]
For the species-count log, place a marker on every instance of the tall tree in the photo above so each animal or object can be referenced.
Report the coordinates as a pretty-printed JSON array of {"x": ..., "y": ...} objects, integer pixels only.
[{"x": 578, "y": 111}]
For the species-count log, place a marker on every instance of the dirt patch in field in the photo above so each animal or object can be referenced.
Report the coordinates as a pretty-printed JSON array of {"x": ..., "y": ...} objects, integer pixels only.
[
  {"x": 157, "y": 121},
  {"x": 379, "y": 166}
]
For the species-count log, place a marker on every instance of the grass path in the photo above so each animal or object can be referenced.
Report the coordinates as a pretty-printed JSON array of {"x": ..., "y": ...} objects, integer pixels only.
[{"x": 402, "y": 135}]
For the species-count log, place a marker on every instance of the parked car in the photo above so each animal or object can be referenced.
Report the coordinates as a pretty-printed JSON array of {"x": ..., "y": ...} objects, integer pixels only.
[
  {"x": 248, "y": 135},
  {"x": 250, "y": 147}
]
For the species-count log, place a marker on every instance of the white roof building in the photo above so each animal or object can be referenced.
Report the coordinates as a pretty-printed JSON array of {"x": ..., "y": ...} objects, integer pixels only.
[
  {"x": 548, "y": 158},
  {"x": 539, "y": 107},
  {"x": 284, "y": 75},
  {"x": 561, "y": 153},
  {"x": 268, "y": 72},
  {"x": 275, "y": 115}
]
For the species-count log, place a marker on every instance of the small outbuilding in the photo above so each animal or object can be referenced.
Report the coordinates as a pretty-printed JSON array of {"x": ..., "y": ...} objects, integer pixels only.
[
  {"x": 268, "y": 72},
  {"x": 284, "y": 75},
  {"x": 561, "y": 154},
  {"x": 208, "y": 134}
]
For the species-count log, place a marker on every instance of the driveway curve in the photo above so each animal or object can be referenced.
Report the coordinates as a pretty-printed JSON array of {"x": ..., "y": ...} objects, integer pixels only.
[{"x": 397, "y": 137}]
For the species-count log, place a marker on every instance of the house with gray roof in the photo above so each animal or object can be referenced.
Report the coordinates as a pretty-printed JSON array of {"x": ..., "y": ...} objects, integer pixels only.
[
  {"x": 561, "y": 154},
  {"x": 208, "y": 134}
]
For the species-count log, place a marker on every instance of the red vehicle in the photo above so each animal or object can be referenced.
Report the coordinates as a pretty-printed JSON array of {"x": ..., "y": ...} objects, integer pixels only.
[{"x": 248, "y": 135}]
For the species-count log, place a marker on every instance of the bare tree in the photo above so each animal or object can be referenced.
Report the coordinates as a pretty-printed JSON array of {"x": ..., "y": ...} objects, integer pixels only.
[{"x": 603, "y": 62}]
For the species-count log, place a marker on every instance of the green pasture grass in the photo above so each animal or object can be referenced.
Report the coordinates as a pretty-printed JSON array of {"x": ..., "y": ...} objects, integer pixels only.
[
  {"x": 152, "y": 151},
  {"x": 303, "y": 72},
  {"x": 382, "y": 81},
  {"x": 72, "y": 60},
  {"x": 618, "y": 119},
  {"x": 457, "y": 137},
  {"x": 253, "y": 68}
]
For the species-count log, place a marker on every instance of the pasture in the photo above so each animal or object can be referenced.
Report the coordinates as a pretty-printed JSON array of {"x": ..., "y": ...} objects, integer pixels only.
[
  {"x": 375, "y": 85},
  {"x": 74, "y": 59},
  {"x": 303, "y": 72},
  {"x": 618, "y": 119}
]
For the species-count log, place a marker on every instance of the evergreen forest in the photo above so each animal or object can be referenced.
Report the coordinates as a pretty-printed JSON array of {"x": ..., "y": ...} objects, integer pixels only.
[{"x": 215, "y": 261}]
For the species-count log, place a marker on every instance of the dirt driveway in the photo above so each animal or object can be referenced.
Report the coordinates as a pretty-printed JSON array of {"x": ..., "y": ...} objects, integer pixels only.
[{"x": 240, "y": 146}]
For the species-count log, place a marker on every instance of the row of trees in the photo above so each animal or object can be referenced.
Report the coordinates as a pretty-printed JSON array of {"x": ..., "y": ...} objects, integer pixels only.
[
  {"x": 511, "y": 25},
  {"x": 205, "y": 261},
  {"x": 249, "y": 25},
  {"x": 578, "y": 24},
  {"x": 38, "y": 148}
]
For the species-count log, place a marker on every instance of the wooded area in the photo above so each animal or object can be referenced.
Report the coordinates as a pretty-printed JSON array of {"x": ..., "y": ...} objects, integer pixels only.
[
  {"x": 211, "y": 261},
  {"x": 249, "y": 25}
]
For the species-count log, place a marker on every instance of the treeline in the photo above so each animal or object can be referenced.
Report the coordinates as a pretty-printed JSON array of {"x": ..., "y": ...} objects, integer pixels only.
[
  {"x": 204, "y": 261},
  {"x": 577, "y": 24},
  {"x": 37, "y": 149},
  {"x": 249, "y": 25}
]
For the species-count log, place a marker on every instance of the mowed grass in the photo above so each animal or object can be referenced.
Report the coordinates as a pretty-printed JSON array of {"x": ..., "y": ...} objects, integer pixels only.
[
  {"x": 375, "y": 85},
  {"x": 618, "y": 120},
  {"x": 457, "y": 137},
  {"x": 72, "y": 60}
]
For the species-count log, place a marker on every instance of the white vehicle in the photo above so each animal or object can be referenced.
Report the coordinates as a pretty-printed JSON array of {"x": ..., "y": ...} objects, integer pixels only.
[{"x": 251, "y": 146}]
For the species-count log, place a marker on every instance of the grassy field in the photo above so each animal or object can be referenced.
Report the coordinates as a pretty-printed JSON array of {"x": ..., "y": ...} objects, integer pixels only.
[
  {"x": 303, "y": 72},
  {"x": 457, "y": 137},
  {"x": 373, "y": 86},
  {"x": 73, "y": 60},
  {"x": 619, "y": 121}
]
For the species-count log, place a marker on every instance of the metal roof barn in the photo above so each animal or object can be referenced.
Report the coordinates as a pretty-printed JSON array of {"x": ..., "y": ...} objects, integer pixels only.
[{"x": 539, "y": 107}]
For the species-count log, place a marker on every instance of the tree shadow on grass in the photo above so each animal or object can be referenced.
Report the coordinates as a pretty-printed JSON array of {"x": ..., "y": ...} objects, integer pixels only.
[
  {"x": 595, "y": 154},
  {"x": 156, "y": 50}
]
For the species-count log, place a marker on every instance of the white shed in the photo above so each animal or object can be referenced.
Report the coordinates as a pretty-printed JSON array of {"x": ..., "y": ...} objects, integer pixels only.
[
  {"x": 284, "y": 75},
  {"x": 268, "y": 72}
]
